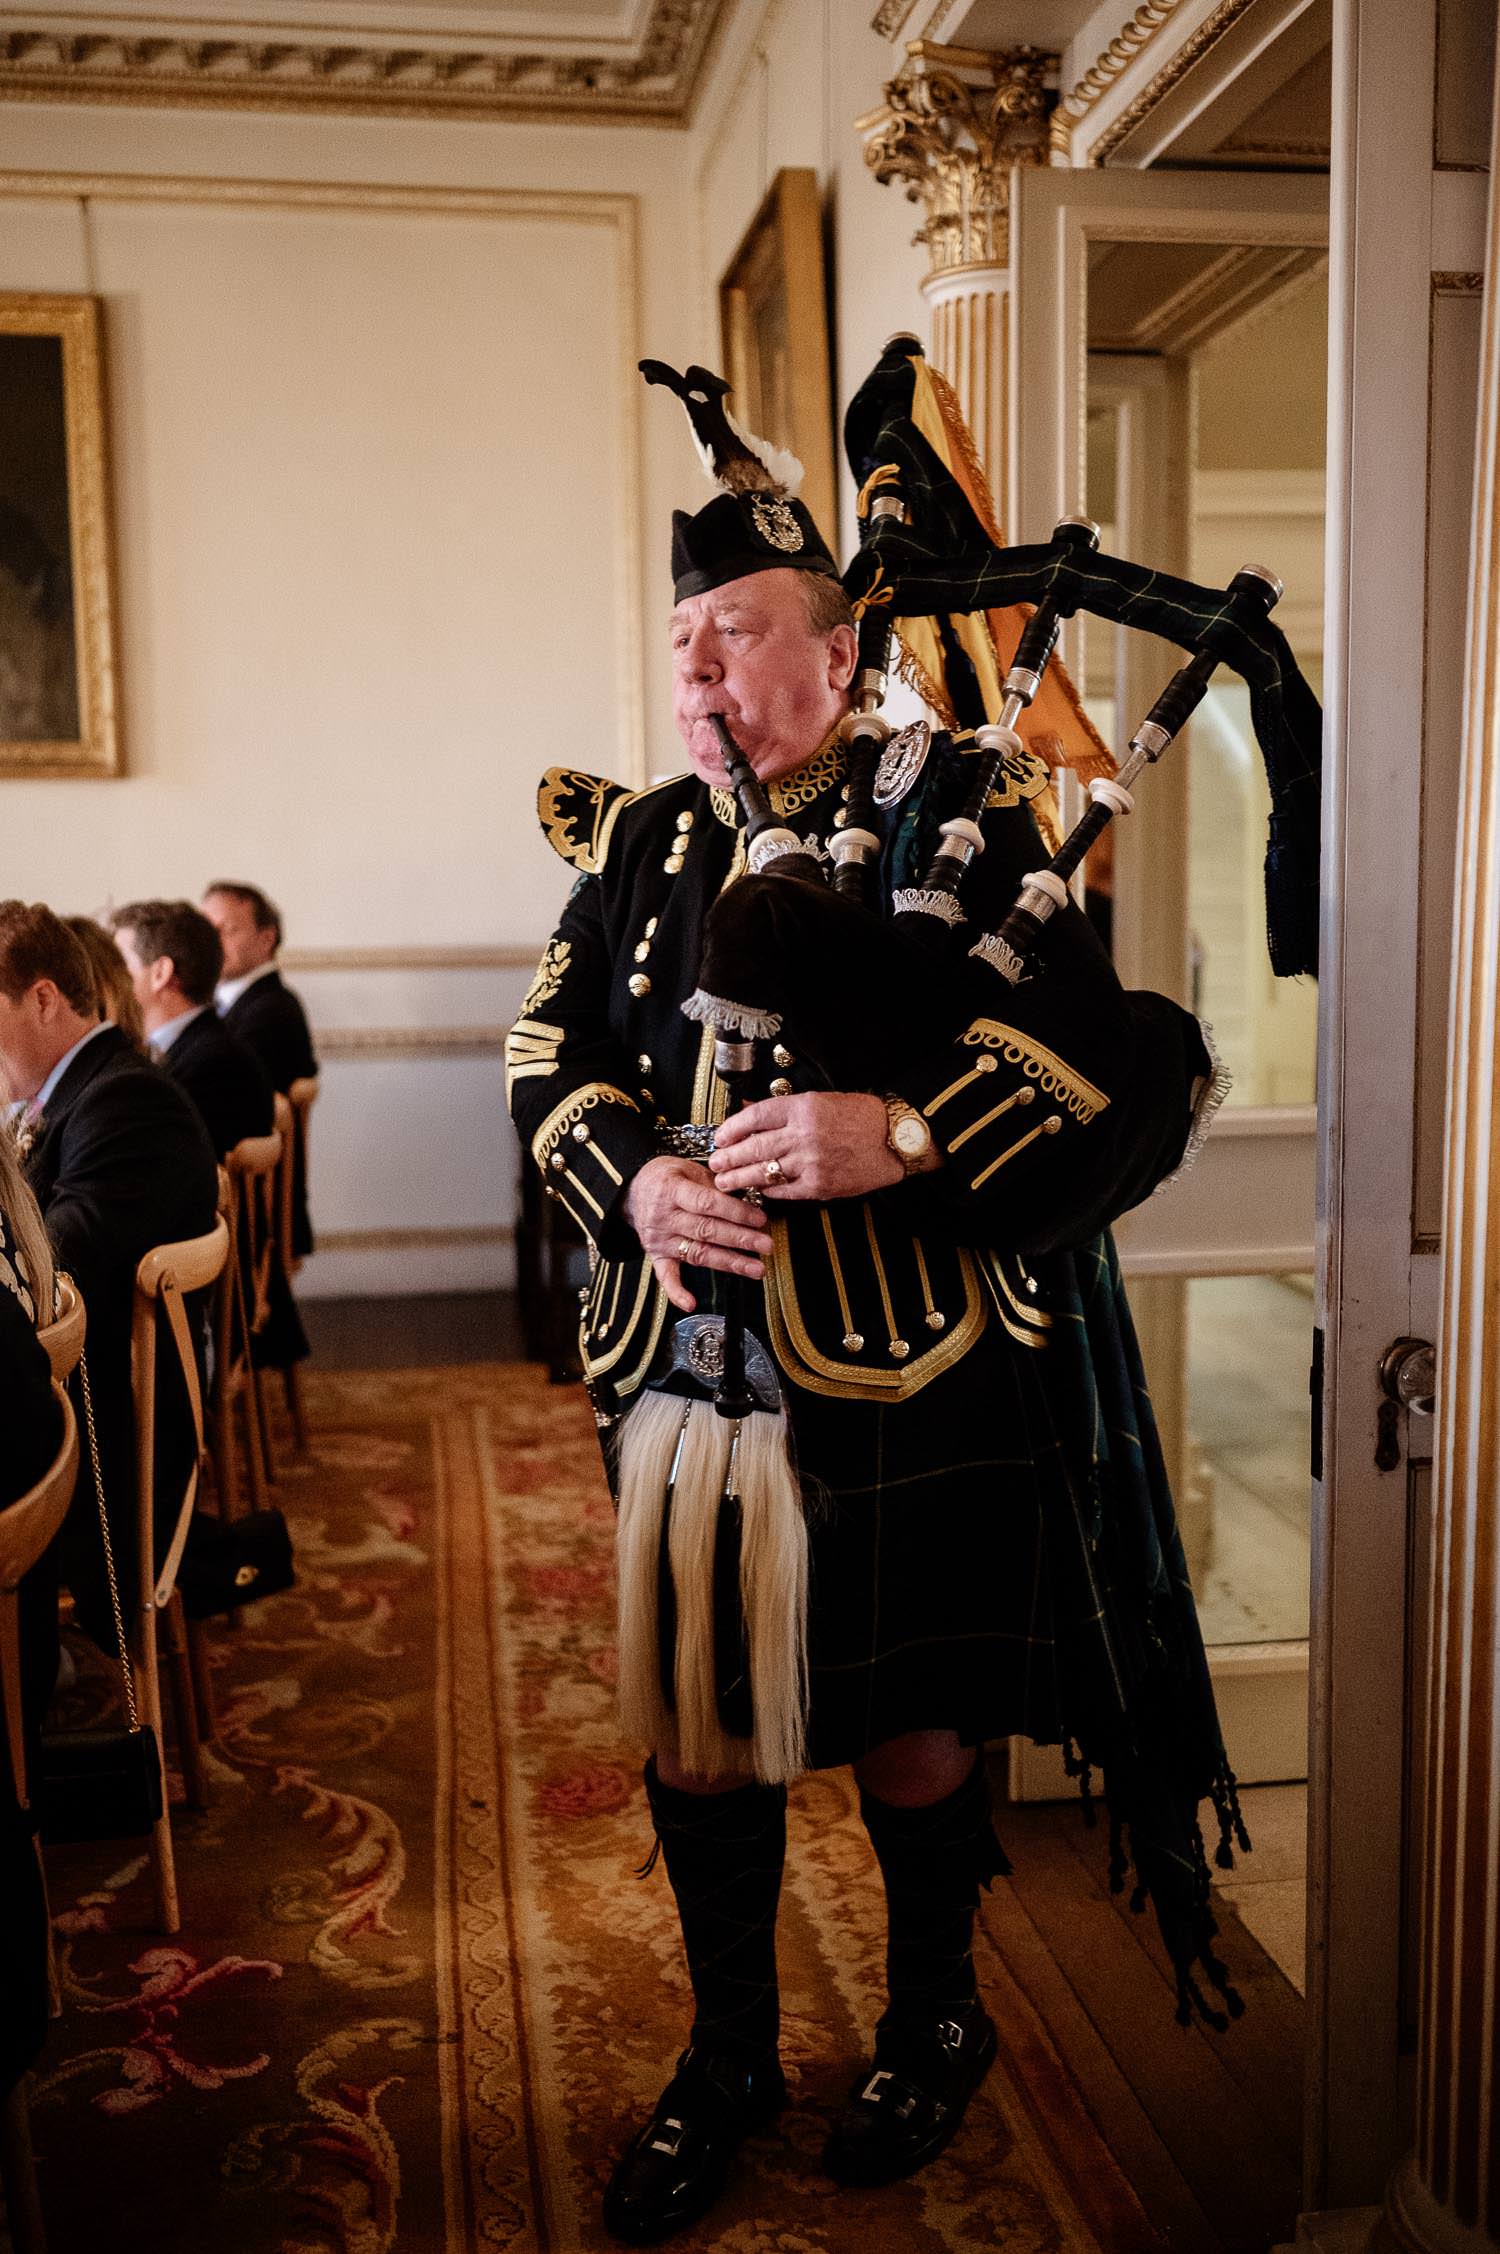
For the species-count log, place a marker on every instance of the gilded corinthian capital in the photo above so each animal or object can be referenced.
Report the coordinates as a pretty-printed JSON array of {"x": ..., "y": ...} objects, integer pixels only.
[{"x": 954, "y": 121}]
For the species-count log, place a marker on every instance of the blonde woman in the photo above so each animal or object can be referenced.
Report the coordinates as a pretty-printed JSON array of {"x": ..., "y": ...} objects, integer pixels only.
[{"x": 117, "y": 1000}]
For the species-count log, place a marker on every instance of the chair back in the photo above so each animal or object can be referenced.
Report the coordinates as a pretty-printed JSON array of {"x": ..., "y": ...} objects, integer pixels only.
[
  {"x": 25, "y": 1530},
  {"x": 253, "y": 1168},
  {"x": 163, "y": 1277},
  {"x": 63, "y": 1336},
  {"x": 299, "y": 1100}
]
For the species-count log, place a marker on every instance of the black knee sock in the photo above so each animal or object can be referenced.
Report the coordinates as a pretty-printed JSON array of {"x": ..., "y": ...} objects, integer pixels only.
[
  {"x": 724, "y": 1853},
  {"x": 934, "y": 1861}
]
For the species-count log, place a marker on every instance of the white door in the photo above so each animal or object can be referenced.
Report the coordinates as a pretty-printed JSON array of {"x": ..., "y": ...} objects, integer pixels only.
[
  {"x": 1407, "y": 245},
  {"x": 1157, "y": 264}
]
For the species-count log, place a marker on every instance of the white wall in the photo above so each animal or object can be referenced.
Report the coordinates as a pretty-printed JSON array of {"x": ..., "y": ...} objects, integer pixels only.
[{"x": 392, "y": 526}]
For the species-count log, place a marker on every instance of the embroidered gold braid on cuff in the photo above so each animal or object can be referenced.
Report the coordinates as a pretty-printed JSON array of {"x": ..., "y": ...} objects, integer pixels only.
[
  {"x": 1040, "y": 1064},
  {"x": 569, "y": 1114}
]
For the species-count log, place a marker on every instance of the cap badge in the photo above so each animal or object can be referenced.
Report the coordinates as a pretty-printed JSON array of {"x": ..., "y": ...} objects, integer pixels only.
[{"x": 776, "y": 524}]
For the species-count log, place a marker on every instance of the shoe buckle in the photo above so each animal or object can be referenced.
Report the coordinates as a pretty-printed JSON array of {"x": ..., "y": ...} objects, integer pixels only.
[
  {"x": 950, "y": 2034},
  {"x": 871, "y": 2092},
  {"x": 672, "y": 2145}
]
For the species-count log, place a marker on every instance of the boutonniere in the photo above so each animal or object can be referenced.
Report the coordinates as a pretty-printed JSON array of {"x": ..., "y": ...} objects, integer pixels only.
[{"x": 24, "y": 1131}]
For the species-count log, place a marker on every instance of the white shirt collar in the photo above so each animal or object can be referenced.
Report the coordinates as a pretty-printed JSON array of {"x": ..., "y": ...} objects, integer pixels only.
[
  {"x": 227, "y": 994},
  {"x": 48, "y": 1087},
  {"x": 161, "y": 1038}
]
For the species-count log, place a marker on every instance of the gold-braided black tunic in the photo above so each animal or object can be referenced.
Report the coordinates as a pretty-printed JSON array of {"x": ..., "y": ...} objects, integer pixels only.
[{"x": 914, "y": 1329}]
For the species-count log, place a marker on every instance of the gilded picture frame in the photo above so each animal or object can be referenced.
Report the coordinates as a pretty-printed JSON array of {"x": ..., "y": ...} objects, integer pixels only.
[
  {"x": 773, "y": 313},
  {"x": 58, "y": 669}
]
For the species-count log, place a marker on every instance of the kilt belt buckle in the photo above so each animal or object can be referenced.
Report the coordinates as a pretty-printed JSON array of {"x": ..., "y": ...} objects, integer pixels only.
[{"x": 950, "y": 2034}]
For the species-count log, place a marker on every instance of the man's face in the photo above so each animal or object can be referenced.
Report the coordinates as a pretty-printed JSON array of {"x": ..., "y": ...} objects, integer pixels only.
[
  {"x": 246, "y": 946},
  {"x": 154, "y": 983},
  {"x": 745, "y": 650},
  {"x": 36, "y": 1030}
]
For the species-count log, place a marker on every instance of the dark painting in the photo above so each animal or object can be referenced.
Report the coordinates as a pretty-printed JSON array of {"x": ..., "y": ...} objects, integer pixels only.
[{"x": 39, "y": 683}]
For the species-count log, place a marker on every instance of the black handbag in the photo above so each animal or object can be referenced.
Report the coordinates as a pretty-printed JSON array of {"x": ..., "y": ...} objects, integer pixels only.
[
  {"x": 230, "y": 1562},
  {"x": 100, "y": 1783}
]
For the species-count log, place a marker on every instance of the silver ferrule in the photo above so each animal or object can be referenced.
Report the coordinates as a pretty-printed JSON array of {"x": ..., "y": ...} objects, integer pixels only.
[
  {"x": 1150, "y": 740},
  {"x": 731, "y": 1058},
  {"x": 1130, "y": 766},
  {"x": 1037, "y": 903},
  {"x": 1021, "y": 685},
  {"x": 887, "y": 505},
  {"x": 959, "y": 849},
  {"x": 1265, "y": 573},
  {"x": 869, "y": 688}
]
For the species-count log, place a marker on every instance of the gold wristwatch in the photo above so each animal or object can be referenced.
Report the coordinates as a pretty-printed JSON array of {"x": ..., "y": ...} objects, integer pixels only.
[{"x": 907, "y": 1134}]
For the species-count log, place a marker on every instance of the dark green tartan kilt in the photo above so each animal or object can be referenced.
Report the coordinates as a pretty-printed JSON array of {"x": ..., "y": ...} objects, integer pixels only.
[{"x": 930, "y": 1605}]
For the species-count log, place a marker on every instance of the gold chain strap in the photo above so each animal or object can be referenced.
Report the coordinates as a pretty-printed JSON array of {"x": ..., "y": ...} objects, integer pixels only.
[{"x": 109, "y": 1548}]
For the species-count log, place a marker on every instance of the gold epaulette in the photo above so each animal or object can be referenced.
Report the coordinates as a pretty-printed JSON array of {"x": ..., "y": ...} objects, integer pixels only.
[
  {"x": 1023, "y": 774},
  {"x": 578, "y": 814}
]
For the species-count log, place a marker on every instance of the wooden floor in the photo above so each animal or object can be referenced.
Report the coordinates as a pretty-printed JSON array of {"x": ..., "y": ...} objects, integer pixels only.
[{"x": 1205, "y": 2129}]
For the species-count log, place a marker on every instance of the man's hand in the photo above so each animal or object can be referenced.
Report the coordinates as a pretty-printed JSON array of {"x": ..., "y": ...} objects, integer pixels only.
[
  {"x": 812, "y": 1146},
  {"x": 680, "y": 1213}
]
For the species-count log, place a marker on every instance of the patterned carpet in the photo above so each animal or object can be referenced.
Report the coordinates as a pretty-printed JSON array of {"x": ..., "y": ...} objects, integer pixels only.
[{"x": 419, "y": 1990}]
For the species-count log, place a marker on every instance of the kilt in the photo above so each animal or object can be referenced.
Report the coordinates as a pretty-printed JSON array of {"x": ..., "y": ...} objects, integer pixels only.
[{"x": 930, "y": 1603}]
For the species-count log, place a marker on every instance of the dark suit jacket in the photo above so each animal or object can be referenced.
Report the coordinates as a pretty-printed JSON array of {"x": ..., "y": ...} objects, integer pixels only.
[
  {"x": 269, "y": 1019},
  {"x": 225, "y": 1080},
  {"x": 121, "y": 1163}
]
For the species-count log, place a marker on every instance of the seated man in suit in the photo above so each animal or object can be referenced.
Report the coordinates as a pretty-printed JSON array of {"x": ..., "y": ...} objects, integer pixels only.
[
  {"x": 264, "y": 1013},
  {"x": 119, "y": 1162},
  {"x": 173, "y": 955}
]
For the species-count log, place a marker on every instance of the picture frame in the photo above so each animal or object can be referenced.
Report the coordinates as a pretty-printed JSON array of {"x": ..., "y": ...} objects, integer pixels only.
[
  {"x": 773, "y": 313},
  {"x": 58, "y": 668}
]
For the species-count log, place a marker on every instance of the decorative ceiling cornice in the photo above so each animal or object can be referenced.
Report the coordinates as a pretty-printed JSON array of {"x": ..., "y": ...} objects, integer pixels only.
[
  {"x": 1107, "y": 67},
  {"x": 652, "y": 82}
]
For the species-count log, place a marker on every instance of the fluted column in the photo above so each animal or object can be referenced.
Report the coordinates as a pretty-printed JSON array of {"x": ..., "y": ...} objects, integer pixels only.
[
  {"x": 955, "y": 120},
  {"x": 1446, "y": 2197}
]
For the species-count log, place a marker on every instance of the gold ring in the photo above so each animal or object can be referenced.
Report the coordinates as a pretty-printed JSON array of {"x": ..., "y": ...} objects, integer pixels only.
[{"x": 773, "y": 1170}]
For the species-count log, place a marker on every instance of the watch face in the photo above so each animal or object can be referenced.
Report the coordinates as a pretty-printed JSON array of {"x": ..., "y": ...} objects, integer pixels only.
[{"x": 911, "y": 1137}]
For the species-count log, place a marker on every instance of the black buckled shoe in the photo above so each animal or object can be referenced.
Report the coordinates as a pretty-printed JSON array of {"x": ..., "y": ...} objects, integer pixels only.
[
  {"x": 905, "y": 2107},
  {"x": 674, "y": 2169}
]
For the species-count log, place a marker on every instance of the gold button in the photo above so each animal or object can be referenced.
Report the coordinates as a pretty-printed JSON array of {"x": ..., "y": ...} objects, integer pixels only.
[
  {"x": 1025, "y": 1095},
  {"x": 935, "y": 1321},
  {"x": 781, "y": 1087},
  {"x": 844, "y": 793},
  {"x": 853, "y": 1341},
  {"x": 899, "y": 1349},
  {"x": 782, "y": 1056},
  {"x": 651, "y": 928},
  {"x": 984, "y": 1064},
  {"x": 639, "y": 984},
  {"x": 685, "y": 818},
  {"x": 840, "y": 818},
  {"x": 583, "y": 1296},
  {"x": 1051, "y": 1126},
  {"x": 672, "y": 864},
  {"x": 580, "y": 1133},
  {"x": 643, "y": 949},
  {"x": 643, "y": 1064},
  {"x": 557, "y": 1162}
]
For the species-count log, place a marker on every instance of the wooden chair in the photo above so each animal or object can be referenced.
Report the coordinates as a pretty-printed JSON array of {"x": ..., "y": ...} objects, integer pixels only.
[
  {"x": 26, "y": 1528},
  {"x": 299, "y": 1100},
  {"x": 247, "y": 1190},
  {"x": 161, "y": 1281},
  {"x": 63, "y": 1336}
]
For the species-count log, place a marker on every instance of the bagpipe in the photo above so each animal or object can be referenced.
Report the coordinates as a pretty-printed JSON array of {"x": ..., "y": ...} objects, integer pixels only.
[{"x": 713, "y": 1600}]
